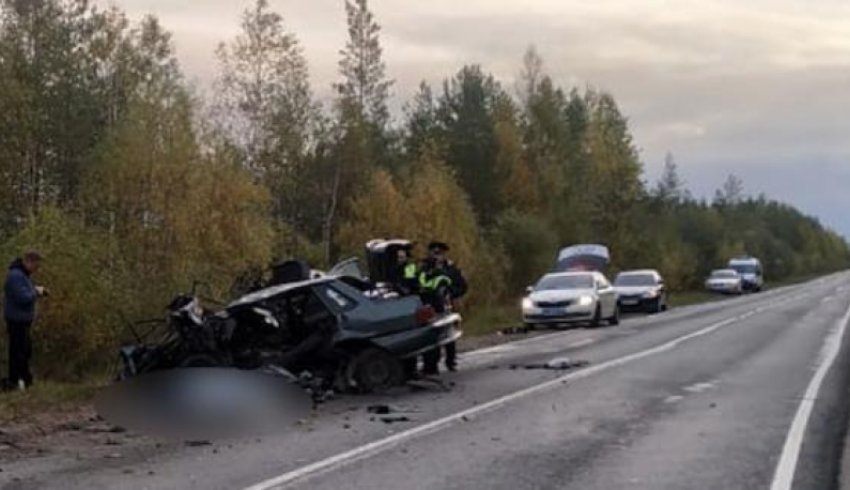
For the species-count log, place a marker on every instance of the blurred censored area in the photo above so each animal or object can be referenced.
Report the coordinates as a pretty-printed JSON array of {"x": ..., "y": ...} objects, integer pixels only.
[{"x": 203, "y": 403}]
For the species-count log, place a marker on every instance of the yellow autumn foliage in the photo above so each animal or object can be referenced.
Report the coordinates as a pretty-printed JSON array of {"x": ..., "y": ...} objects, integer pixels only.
[{"x": 427, "y": 204}]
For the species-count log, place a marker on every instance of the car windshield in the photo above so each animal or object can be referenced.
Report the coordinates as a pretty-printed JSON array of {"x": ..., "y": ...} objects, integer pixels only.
[
  {"x": 724, "y": 274},
  {"x": 635, "y": 280},
  {"x": 745, "y": 268},
  {"x": 578, "y": 281}
]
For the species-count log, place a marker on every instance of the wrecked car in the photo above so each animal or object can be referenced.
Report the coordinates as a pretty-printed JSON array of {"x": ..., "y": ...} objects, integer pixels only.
[{"x": 338, "y": 328}]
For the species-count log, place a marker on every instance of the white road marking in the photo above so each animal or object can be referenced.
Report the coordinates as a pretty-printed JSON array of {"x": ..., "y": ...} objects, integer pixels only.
[
  {"x": 699, "y": 387},
  {"x": 783, "y": 477},
  {"x": 672, "y": 315},
  {"x": 361, "y": 452}
]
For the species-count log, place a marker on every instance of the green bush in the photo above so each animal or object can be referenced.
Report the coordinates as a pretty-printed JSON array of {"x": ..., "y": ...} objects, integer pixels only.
[
  {"x": 529, "y": 245},
  {"x": 78, "y": 325}
]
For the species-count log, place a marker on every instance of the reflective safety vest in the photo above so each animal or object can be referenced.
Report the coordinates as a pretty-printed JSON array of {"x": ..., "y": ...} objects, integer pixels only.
[
  {"x": 433, "y": 283},
  {"x": 410, "y": 271}
]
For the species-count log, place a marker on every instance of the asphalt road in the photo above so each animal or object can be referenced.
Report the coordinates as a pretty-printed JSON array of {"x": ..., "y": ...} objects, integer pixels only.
[{"x": 751, "y": 392}]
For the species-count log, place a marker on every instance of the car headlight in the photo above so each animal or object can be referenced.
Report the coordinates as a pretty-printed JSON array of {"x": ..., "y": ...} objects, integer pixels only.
[
  {"x": 650, "y": 294},
  {"x": 527, "y": 304},
  {"x": 585, "y": 301}
]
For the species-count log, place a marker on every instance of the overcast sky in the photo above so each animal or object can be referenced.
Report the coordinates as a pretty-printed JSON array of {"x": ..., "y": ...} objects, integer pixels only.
[{"x": 755, "y": 87}]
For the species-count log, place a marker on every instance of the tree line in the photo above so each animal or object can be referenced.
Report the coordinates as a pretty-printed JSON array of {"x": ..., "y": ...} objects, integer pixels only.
[{"x": 134, "y": 184}]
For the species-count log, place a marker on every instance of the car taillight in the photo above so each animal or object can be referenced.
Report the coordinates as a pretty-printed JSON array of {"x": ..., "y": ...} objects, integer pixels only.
[{"x": 424, "y": 315}]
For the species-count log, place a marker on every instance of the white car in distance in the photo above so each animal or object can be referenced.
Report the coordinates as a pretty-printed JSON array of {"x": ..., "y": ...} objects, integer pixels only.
[
  {"x": 571, "y": 297},
  {"x": 726, "y": 281}
]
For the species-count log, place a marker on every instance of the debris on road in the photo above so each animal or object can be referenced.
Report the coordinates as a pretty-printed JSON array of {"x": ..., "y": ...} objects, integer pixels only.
[
  {"x": 378, "y": 409},
  {"x": 197, "y": 443},
  {"x": 392, "y": 420}
]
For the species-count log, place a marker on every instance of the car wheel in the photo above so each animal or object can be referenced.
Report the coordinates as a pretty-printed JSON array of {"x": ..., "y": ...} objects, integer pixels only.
[
  {"x": 597, "y": 317},
  {"x": 664, "y": 304},
  {"x": 615, "y": 318},
  {"x": 374, "y": 370}
]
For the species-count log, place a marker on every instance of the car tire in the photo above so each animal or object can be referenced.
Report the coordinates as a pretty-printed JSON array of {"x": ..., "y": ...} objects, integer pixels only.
[
  {"x": 615, "y": 318},
  {"x": 597, "y": 317},
  {"x": 373, "y": 370}
]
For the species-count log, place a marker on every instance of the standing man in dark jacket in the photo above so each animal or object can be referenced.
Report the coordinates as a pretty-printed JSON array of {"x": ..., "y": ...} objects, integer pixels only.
[
  {"x": 454, "y": 287},
  {"x": 19, "y": 312},
  {"x": 457, "y": 289}
]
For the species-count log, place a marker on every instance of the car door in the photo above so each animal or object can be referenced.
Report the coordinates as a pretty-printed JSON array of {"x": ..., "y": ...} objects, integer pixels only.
[
  {"x": 607, "y": 296},
  {"x": 662, "y": 288}
]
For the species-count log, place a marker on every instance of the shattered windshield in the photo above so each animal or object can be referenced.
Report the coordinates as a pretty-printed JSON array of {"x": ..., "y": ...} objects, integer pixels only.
[
  {"x": 635, "y": 280},
  {"x": 745, "y": 268}
]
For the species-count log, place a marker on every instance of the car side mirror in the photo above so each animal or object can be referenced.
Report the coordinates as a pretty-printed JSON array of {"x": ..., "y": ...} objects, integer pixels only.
[{"x": 529, "y": 289}]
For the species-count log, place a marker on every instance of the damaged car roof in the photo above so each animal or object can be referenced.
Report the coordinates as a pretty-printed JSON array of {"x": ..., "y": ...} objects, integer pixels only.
[{"x": 278, "y": 289}]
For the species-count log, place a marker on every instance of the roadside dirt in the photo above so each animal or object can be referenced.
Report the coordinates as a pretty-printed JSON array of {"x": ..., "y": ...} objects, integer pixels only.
[{"x": 76, "y": 431}]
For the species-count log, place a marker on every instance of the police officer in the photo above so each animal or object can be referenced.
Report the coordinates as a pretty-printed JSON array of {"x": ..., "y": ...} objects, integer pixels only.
[
  {"x": 406, "y": 275},
  {"x": 434, "y": 287},
  {"x": 454, "y": 288},
  {"x": 439, "y": 252}
]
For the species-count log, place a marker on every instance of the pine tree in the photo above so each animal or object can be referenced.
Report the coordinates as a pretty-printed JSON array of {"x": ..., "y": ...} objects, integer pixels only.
[
  {"x": 731, "y": 193},
  {"x": 361, "y": 138},
  {"x": 466, "y": 119},
  {"x": 670, "y": 188},
  {"x": 422, "y": 124},
  {"x": 266, "y": 106},
  {"x": 364, "y": 89}
]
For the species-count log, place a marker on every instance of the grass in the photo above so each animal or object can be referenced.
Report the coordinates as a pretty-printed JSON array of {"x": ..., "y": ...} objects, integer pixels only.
[
  {"x": 491, "y": 319},
  {"x": 42, "y": 397}
]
